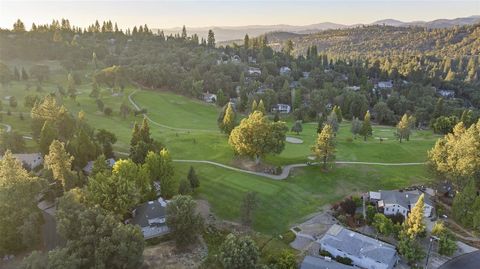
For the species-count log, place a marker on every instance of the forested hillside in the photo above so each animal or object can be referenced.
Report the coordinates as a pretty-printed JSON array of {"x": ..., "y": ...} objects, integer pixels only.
[{"x": 321, "y": 68}]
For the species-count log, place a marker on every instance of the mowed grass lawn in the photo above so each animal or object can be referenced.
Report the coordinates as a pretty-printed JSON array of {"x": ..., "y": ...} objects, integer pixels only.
[
  {"x": 284, "y": 203},
  {"x": 177, "y": 111},
  {"x": 281, "y": 203}
]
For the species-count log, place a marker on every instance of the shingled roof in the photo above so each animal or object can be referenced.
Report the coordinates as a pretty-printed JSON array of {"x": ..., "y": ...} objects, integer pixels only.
[
  {"x": 404, "y": 198},
  {"x": 358, "y": 245}
]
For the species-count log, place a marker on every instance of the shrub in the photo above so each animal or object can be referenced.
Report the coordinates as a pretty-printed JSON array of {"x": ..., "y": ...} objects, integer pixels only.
[
  {"x": 108, "y": 111},
  {"x": 344, "y": 260},
  {"x": 288, "y": 237},
  {"x": 324, "y": 253},
  {"x": 348, "y": 206},
  {"x": 398, "y": 218}
]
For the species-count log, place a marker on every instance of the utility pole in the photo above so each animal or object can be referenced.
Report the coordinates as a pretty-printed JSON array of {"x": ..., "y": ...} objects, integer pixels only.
[{"x": 432, "y": 238}]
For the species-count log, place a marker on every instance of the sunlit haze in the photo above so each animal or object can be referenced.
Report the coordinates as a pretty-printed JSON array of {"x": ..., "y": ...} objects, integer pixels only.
[{"x": 165, "y": 14}]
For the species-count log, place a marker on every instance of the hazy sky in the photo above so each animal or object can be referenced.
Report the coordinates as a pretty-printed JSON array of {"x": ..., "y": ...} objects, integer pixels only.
[{"x": 165, "y": 14}]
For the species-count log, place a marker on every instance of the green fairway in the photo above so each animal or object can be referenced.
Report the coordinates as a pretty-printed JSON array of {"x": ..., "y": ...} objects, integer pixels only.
[
  {"x": 282, "y": 203},
  {"x": 177, "y": 111}
]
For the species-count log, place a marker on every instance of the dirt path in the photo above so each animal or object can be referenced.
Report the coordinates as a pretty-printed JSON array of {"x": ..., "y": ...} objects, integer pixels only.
[{"x": 471, "y": 236}]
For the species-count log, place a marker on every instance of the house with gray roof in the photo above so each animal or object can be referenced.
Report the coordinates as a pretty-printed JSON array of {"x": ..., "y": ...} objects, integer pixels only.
[
  {"x": 151, "y": 217},
  {"x": 398, "y": 201},
  {"x": 364, "y": 251},
  {"x": 29, "y": 161},
  {"x": 311, "y": 262},
  {"x": 89, "y": 167}
]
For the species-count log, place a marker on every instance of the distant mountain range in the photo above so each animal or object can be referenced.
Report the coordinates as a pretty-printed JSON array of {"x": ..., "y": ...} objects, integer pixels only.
[{"x": 224, "y": 33}]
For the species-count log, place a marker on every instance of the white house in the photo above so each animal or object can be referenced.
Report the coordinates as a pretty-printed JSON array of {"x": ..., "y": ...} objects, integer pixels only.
[
  {"x": 209, "y": 97},
  {"x": 393, "y": 202},
  {"x": 446, "y": 93},
  {"x": 29, "y": 160},
  {"x": 282, "y": 108},
  {"x": 151, "y": 217},
  {"x": 364, "y": 251},
  {"x": 353, "y": 88},
  {"x": 254, "y": 71},
  {"x": 236, "y": 59},
  {"x": 285, "y": 70},
  {"x": 385, "y": 85}
]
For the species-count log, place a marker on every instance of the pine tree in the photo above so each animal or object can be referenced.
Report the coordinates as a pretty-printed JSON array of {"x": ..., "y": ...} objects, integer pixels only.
[
  {"x": 71, "y": 85},
  {"x": 297, "y": 127},
  {"x": 229, "y": 120},
  {"x": 24, "y": 74},
  {"x": 254, "y": 105},
  {"x": 184, "y": 33},
  {"x": 168, "y": 184},
  {"x": 338, "y": 112},
  {"x": 261, "y": 107},
  {"x": 366, "y": 130},
  {"x": 211, "y": 39},
  {"x": 414, "y": 225},
  {"x": 47, "y": 135},
  {"x": 450, "y": 75},
  {"x": 324, "y": 148},
  {"x": 193, "y": 178},
  {"x": 60, "y": 163},
  {"x": 184, "y": 187},
  {"x": 463, "y": 204},
  {"x": 246, "y": 42},
  {"x": 404, "y": 127}
]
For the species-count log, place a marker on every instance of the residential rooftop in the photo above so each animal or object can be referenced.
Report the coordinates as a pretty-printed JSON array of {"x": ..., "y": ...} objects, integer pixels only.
[
  {"x": 358, "y": 245},
  {"x": 311, "y": 262}
]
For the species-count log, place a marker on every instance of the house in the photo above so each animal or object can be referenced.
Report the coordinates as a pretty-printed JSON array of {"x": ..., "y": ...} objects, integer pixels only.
[
  {"x": 446, "y": 189},
  {"x": 466, "y": 261},
  {"x": 353, "y": 88},
  {"x": 446, "y": 93},
  {"x": 29, "y": 161},
  {"x": 393, "y": 202},
  {"x": 306, "y": 74},
  {"x": 282, "y": 108},
  {"x": 89, "y": 167},
  {"x": 252, "y": 60},
  {"x": 384, "y": 85},
  {"x": 209, "y": 97},
  {"x": 294, "y": 84},
  {"x": 151, "y": 217},
  {"x": 311, "y": 262},
  {"x": 236, "y": 59},
  {"x": 364, "y": 251},
  {"x": 285, "y": 70},
  {"x": 254, "y": 71}
]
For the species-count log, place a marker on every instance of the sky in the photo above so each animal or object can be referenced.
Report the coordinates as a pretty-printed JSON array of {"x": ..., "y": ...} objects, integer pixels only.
[{"x": 166, "y": 14}]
